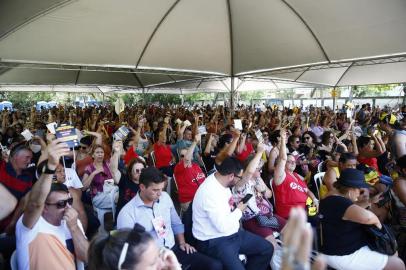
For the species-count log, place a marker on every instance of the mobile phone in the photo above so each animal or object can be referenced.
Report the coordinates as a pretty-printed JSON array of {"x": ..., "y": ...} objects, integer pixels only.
[{"x": 246, "y": 198}]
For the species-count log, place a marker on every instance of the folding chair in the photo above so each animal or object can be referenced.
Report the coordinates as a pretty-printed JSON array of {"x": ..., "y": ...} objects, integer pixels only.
[
  {"x": 318, "y": 181},
  {"x": 152, "y": 154}
]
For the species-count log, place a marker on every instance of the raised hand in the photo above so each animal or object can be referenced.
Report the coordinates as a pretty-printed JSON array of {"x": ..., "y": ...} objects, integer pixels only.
[{"x": 56, "y": 149}]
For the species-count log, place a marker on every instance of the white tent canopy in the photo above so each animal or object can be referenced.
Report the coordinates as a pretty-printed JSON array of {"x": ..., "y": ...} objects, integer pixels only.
[{"x": 142, "y": 43}]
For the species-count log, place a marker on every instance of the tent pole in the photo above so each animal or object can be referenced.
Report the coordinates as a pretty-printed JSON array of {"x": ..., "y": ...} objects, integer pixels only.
[
  {"x": 181, "y": 97},
  {"x": 232, "y": 91}
]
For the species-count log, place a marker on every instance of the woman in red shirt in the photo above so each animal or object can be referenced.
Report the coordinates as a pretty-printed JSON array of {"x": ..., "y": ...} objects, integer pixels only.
[
  {"x": 164, "y": 159},
  {"x": 368, "y": 153},
  {"x": 245, "y": 148},
  {"x": 289, "y": 188},
  {"x": 188, "y": 175}
]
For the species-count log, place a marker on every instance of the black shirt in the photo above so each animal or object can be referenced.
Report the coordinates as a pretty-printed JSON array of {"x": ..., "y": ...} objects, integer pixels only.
[
  {"x": 127, "y": 190},
  {"x": 209, "y": 160},
  {"x": 340, "y": 237}
]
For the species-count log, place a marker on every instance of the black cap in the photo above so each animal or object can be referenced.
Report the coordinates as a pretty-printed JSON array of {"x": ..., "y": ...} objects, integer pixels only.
[{"x": 352, "y": 178}]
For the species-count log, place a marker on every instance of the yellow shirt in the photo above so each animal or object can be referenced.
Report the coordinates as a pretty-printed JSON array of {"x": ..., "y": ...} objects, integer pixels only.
[{"x": 323, "y": 188}]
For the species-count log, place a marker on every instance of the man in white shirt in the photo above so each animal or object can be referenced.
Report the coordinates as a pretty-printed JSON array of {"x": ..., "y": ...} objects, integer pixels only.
[
  {"x": 216, "y": 223},
  {"x": 49, "y": 234}
]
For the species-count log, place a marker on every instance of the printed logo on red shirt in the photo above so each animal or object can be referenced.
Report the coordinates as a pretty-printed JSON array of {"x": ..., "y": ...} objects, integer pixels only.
[{"x": 298, "y": 187}]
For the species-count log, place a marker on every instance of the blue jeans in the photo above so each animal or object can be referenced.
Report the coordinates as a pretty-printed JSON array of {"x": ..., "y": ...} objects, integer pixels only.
[{"x": 226, "y": 249}]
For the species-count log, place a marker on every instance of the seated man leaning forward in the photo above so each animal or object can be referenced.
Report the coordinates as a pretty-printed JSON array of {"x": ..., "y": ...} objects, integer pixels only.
[
  {"x": 154, "y": 210},
  {"x": 216, "y": 222},
  {"x": 49, "y": 234}
]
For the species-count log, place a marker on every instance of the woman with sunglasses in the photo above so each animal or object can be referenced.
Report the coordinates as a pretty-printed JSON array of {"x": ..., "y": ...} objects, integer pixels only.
[
  {"x": 129, "y": 182},
  {"x": 127, "y": 249}
]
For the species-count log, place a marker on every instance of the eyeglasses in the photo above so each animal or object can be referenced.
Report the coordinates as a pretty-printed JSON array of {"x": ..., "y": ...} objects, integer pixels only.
[
  {"x": 62, "y": 203},
  {"x": 239, "y": 177},
  {"x": 307, "y": 138},
  {"x": 182, "y": 156}
]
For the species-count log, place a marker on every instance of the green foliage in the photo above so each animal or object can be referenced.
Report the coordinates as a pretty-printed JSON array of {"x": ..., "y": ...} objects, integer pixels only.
[
  {"x": 372, "y": 90},
  {"x": 249, "y": 95}
]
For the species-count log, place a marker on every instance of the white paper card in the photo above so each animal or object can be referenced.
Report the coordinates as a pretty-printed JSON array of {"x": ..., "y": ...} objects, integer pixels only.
[
  {"x": 51, "y": 127},
  {"x": 258, "y": 134},
  {"x": 27, "y": 135},
  {"x": 202, "y": 130},
  {"x": 238, "y": 124},
  {"x": 187, "y": 123}
]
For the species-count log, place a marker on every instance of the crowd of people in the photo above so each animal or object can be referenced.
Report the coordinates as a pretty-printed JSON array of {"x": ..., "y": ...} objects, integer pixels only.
[{"x": 202, "y": 187}]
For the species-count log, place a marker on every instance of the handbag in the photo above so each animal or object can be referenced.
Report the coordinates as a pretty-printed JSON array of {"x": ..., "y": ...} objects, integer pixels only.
[
  {"x": 381, "y": 240},
  {"x": 265, "y": 217}
]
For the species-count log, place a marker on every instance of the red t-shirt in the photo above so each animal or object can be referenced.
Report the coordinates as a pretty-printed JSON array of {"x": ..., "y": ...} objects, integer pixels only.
[
  {"x": 188, "y": 180},
  {"x": 130, "y": 155},
  {"x": 291, "y": 193},
  {"x": 371, "y": 162},
  {"x": 163, "y": 155},
  {"x": 248, "y": 149}
]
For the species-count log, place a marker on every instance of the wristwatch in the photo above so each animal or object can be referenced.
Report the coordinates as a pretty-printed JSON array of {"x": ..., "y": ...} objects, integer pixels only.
[{"x": 47, "y": 170}]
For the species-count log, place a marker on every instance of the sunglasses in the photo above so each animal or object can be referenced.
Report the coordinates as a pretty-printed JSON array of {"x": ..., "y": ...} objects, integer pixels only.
[
  {"x": 182, "y": 156},
  {"x": 138, "y": 170},
  {"x": 83, "y": 147},
  {"x": 297, "y": 141},
  {"x": 307, "y": 138},
  {"x": 61, "y": 204}
]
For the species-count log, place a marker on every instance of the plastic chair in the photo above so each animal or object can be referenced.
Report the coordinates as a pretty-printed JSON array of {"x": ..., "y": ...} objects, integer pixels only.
[
  {"x": 320, "y": 167},
  {"x": 153, "y": 157},
  {"x": 318, "y": 180}
]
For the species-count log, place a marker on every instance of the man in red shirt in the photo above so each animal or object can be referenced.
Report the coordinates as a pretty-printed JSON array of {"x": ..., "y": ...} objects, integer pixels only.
[{"x": 188, "y": 175}]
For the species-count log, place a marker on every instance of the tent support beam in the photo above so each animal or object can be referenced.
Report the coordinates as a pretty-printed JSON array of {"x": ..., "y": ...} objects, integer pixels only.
[
  {"x": 308, "y": 28},
  {"x": 154, "y": 32}
]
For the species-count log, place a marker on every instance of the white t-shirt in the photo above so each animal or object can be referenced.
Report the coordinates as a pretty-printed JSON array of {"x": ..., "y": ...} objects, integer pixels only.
[
  {"x": 45, "y": 246},
  {"x": 214, "y": 215}
]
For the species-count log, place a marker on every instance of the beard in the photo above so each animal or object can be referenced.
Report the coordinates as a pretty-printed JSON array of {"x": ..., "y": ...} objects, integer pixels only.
[{"x": 232, "y": 184}]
